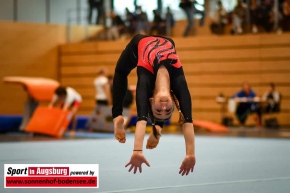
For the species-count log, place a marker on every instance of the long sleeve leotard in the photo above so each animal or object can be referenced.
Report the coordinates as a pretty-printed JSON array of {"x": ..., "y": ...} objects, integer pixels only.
[{"x": 148, "y": 53}]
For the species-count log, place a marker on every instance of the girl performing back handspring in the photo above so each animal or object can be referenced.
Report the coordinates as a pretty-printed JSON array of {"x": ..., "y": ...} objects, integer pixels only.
[{"x": 161, "y": 86}]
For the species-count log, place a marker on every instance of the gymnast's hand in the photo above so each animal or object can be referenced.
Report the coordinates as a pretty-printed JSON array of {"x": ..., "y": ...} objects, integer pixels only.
[
  {"x": 137, "y": 159},
  {"x": 187, "y": 165},
  {"x": 119, "y": 131}
]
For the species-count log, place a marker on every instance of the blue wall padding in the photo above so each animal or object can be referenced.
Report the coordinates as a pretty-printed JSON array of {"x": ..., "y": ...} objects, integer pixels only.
[
  {"x": 10, "y": 122},
  {"x": 82, "y": 120}
]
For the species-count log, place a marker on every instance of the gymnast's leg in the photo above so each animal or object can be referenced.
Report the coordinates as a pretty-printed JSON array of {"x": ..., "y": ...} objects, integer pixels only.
[{"x": 120, "y": 83}]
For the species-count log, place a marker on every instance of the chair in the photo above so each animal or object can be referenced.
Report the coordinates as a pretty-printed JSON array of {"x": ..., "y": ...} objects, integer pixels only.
[{"x": 271, "y": 120}]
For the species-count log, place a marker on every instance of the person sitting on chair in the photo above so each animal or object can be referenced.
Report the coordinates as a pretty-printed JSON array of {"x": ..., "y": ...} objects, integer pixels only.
[
  {"x": 219, "y": 20},
  {"x": 272, "y": 99},
  {"x": 246, "y": 106}
]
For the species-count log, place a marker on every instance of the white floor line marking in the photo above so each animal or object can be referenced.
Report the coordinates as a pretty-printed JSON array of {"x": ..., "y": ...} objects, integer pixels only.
[{"x": 192, "y": 185}]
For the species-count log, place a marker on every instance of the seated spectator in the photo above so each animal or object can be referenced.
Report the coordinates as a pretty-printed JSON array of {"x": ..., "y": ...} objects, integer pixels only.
[
  {"x": 129, "y": 23},
  {"x": 158, "y": 24},
  {"x": 265, "y": 15},
  {"x": 239, "y": 16},
  {"x": 272, "y": 99},
  {"x": 246, "y": 106},
  {"x": 254, "y": 16},
  {"x": 286, "y": 16},
  {"x": 280, "y": 16},
  {"x": 219, "y": 19},
  {"x": 141, "y": 21},
  {"x": 67, "y": 99},
  {"x": 117, "y": 28}
]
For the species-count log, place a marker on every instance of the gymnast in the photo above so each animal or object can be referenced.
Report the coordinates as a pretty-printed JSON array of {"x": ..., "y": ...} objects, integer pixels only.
[
  {"x": 161, "y": 82},
  {"x": 68, "y": 99}
]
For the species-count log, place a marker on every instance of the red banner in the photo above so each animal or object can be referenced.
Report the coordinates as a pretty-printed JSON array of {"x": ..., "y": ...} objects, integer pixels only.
[{"x": 55, "y": 171}]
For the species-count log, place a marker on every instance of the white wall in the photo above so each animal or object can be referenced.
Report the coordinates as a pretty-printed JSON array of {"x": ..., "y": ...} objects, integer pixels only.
[
  {"x": 6, "y": 10},
  {"x": 31, "y": 11},
  {"x": 35, "y": 10},
  {"x": 59, "y": 9}
]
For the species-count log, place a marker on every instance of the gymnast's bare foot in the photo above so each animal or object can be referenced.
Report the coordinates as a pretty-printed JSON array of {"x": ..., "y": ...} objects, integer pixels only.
[
  {"x": 152, "y": 142},
  {"x": 119, "y": 131}
]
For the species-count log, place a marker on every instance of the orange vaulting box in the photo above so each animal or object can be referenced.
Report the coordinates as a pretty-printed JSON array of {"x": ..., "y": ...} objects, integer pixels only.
[
  {"x": 49, "y": 121},
  {"x": 41, "y": 89}
]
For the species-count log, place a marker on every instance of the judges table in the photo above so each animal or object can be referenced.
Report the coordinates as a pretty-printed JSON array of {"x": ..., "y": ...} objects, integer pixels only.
[{"x": 230, "y": 104}]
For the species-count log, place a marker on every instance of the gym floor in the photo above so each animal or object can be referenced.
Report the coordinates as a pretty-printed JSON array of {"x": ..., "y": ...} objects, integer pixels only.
[{"x": 243, "y": 160}]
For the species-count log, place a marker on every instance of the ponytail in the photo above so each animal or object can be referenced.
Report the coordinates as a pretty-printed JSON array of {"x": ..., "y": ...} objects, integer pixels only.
[
  {"x": 181, "y": 120},
  {"x": 155, "y": 132}
]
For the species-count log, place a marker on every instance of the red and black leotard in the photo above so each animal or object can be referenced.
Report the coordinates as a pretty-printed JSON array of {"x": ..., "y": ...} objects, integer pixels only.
[{"x": 148, "y": 53}]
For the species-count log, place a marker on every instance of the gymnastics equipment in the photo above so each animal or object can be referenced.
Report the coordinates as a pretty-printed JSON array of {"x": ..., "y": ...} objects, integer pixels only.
[
  {"x": 49, "y": 121},
  {"x": 40, "y": 89},
  {"x": 210, "y": 126}
]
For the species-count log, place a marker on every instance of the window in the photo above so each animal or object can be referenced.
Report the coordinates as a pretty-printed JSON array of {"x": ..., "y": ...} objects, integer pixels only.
[
  {"x": 149, "y": 5},
  {"x": 229, "y": 5}
]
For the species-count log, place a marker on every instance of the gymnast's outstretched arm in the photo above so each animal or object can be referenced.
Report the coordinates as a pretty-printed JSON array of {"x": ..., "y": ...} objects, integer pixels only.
[
  {"x": 188, "y": 163},
  {"x": 143, "y": 93},
  {"x": 180, "y": 89},
  {"x": 137, "y": 158}
]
